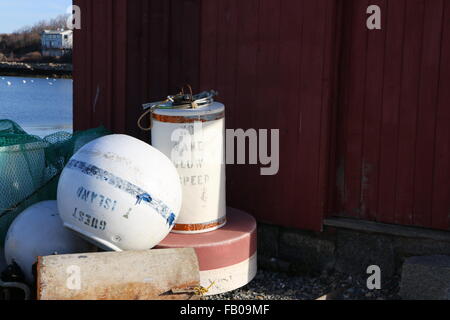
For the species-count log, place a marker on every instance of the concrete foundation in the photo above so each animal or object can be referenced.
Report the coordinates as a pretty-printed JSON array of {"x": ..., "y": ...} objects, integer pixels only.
[
  {"x": 347, "y": 246},
  {"x": 426, "y": 278}
]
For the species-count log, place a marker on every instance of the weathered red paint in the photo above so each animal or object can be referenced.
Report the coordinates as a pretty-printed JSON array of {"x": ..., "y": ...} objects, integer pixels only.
[
  {"x": 363, "y": 114},
  {"x": 393, "y": 141}
]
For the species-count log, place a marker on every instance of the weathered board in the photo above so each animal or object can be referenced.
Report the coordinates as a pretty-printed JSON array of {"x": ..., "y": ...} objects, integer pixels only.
[{"x": 128, "y": 275}]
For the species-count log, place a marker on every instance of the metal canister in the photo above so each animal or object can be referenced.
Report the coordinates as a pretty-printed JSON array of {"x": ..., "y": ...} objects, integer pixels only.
[{"x": 191, "y": 132}]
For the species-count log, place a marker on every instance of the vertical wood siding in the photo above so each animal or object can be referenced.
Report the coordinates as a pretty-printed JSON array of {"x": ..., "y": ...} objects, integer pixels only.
[
  {"x": 271, "y": 62},
  {"x": 394, "y": 137},
  {"x": 377, "y": 151},
  {"x": 269, "y": 59}
]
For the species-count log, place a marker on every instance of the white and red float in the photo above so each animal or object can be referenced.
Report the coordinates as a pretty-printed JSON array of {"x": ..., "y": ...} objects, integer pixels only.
[
  {"x": 227, "y": 256},
  {"x": 190, "y": 130}
]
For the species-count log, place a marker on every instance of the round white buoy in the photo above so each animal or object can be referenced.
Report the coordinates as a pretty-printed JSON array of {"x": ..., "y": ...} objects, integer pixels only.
[
  {"x": 38, "y": 231},
  {"x": 227, "y": 256},
  {"x": 120, "y": 193}
]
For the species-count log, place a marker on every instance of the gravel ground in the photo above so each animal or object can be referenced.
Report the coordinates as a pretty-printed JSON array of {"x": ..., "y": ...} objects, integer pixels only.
[{"x": 279, "y": 286}]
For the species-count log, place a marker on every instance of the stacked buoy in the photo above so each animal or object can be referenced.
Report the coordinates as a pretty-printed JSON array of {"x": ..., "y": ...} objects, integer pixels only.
[{"x": 190, "y": 130}]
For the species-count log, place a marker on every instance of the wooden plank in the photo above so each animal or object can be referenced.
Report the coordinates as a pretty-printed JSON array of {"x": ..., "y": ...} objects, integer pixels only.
[
  {"x": 441, "y": 179},
  {"x": 311, "y": 86},
  {"x": 427, "y": 113},
  {"x": 327, "y": 168},
  {"x": 99, "y": 63},
  {"x": 226, "y": 66},
  {"x": 190, "y": 23},
  {"x": 109, "y": 41},
  {"x": 79, "y": 45},
  {"x": 130, "y": 275},
  {"x": 339, "y": 189},
  {"x": 327, "y": 112},
  {"x": 82, "y": 68},
  {"x": 158, "y": 50},
  {"x": 119, "y": 65},
  {"x": 268, "y": 100},
  {"x": 243, "y": 74},
  {"x": 356, "y": 105},
  {"x": 370, "y": 169},
  {"x": 409, "y": 104},
  {"x": 184, "y": 44},
  {"x": 291, "y": 32},
  {"x": 208, "y": 45},
  {"x": 387, "y": 188},
  {"x": 134, "y": 75}
]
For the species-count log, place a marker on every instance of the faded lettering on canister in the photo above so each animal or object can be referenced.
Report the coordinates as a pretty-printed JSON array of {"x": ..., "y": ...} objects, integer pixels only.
[{"x": 194, "y": 140}]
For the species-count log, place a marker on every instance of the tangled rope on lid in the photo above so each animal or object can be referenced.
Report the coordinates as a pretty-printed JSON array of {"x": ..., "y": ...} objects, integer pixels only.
[{"x": 178, "y": 101}]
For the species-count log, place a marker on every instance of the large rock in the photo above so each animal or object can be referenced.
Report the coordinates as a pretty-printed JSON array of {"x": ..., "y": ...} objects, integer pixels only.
[{"x": 426, "y": 278}]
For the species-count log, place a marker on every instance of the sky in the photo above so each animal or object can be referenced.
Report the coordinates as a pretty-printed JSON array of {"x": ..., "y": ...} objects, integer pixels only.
[{"x": 15, "y": 14}]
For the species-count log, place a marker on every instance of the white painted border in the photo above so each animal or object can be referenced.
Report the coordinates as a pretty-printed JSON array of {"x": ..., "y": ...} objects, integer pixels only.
[{"x": 229, "y": 278}]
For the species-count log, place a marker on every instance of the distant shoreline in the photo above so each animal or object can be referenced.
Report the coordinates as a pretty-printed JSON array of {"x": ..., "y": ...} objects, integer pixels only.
[{"x": 54, "y": 70}]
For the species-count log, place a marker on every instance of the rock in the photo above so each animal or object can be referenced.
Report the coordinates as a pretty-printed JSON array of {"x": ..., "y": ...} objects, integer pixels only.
[{"x": 426, "y": 278}]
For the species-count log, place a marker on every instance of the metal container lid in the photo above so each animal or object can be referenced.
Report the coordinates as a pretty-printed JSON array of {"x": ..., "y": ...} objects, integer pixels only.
[{"x": 182, "y": 108}]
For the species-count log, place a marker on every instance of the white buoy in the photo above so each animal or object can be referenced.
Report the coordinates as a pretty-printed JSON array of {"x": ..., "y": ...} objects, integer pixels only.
[
  {"x": 24, "y": 81},
  {"x": 39, "y": 231},
  {"x": 195, "y": 141},
  {"x": 9, "y": 83},
  {"x": 120, "y": 193}
]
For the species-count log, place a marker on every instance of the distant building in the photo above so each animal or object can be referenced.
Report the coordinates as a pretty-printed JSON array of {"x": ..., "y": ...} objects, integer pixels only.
[{"x": 56, "y": 43}]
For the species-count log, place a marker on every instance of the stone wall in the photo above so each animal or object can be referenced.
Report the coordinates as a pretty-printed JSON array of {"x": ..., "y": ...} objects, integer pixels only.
[{"x": 343, "y": 250}]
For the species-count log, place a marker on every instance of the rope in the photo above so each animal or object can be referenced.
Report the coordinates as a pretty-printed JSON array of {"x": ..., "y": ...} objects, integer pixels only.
[
  {"x": 198, "y": 291},
  {"x": 201, "y": 291},
  {"x": 181, "y": 97}
]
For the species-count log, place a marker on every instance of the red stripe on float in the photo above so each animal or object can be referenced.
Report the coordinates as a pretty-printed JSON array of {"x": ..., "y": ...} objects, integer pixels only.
[{"x": 230, "y": 245}]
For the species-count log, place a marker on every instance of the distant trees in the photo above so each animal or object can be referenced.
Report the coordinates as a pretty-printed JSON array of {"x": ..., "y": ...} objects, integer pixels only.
[{"x": 27, "y": 40}]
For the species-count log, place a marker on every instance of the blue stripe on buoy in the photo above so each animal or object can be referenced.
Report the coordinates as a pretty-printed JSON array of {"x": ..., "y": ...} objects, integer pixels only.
[{"x": 142, "y": 197}]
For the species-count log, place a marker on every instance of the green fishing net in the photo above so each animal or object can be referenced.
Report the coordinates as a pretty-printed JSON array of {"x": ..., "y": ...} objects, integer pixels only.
[{"x": 30, "y": 167}]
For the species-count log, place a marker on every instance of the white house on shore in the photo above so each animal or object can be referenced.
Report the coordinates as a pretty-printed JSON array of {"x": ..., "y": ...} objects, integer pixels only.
[{"x": 56, "y": 43}]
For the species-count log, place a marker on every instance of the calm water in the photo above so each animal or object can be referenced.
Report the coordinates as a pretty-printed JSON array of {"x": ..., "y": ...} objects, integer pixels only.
[{"x": 41, "y": 106}]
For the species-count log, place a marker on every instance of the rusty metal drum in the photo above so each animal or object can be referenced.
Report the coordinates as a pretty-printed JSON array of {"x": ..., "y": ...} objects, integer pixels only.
[{"x": 193, "y": 137}]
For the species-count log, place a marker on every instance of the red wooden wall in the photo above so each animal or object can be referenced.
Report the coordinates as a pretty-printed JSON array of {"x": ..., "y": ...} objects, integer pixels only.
[
  {"x": 362, "y": 114},
  {"x": 394, "y": 114},
  {"x": 270, "y": 60}
]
